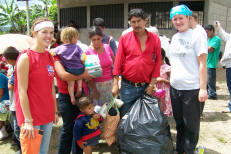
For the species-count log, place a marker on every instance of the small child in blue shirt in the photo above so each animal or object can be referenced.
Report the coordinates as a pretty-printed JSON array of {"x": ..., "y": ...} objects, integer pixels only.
[
  {"x": 4, "y": 97},
  {"x": 11, "y": 54},
  {"x": 86, "y": 130}
]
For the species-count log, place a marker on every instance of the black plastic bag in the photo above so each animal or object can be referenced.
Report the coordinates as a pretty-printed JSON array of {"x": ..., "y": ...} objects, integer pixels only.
[{"x": 144, "y": 130}]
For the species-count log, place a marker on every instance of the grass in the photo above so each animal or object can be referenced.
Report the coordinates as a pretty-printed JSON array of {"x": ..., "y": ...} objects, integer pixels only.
[{"x": 222, "y": 140}]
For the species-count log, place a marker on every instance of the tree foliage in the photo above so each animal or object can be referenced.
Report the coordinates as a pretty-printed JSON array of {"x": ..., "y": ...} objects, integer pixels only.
[
  {"x": 53, "y": 10},
  {"x": 10, "y": 14}
]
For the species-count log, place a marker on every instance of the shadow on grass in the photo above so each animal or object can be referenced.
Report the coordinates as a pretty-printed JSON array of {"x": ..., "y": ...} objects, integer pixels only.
[
  {"x": 7, "y": 143},
  {"x": 215, "y": 116},
  {"x": 223, "y": 97},
  {"x": 104, "y": 148},
  {"x": 209, "y": 151},
  {"x": 53, "y": 148}
]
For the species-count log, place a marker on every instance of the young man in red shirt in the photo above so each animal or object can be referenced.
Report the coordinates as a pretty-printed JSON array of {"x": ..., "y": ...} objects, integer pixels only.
[{"x": 138, "y": 60}]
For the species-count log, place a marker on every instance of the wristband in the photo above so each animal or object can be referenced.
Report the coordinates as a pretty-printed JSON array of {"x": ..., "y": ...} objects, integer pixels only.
[
  {"x": 56, "y": 112},
  {"x": 28, "y": 120},
  {"x": 150, "y": 85}
]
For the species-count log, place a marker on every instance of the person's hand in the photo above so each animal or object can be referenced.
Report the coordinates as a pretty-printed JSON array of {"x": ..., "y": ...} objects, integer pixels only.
[
  {"x": 160, "y": 79},
  {"x": 56, "y": 119},
  {"x": 218, "y": 24},
  {"x": 202, "y": 96},
  {"x": 96, "y": 116},
  {"x": 28, "y": 130},
  {"x": 115, "y": 90},
  {"x": 86, "y": 75},
  {"x": 149, "y": 90},
  {"x": 96, "y": 94}
]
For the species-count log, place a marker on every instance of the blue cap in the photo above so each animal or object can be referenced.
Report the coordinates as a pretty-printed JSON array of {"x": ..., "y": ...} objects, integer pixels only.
[{"x": 180, "y": 9}]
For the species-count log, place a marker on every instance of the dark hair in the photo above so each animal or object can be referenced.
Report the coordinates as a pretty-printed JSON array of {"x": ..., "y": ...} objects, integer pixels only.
[
  {"x": 58, "y": 37},
  {"x": 163, "y": 55},
  {"x": 73, "y": 24},
  {"x": 11, "y": 53},
  {"x": 95, "y": 31},
  {"x": 84, "y": 102},
  {"x": 98, "y": 22},
  {"x": 210, "y": 27},
  {"x": 136, "y": 13}
]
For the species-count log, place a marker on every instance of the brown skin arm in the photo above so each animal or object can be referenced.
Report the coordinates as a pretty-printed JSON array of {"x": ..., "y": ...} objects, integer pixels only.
[
  {"x": 61, "y": 72},
  {"x": 23, "y": 78},
  {"x": 203, "y": 96},
  {"x": 210, "y": 49},
  {"x": 115, "y": 88}
]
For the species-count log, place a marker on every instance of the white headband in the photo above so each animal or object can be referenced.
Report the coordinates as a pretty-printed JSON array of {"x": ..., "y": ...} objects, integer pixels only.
[{"x": 44, "y": 24}]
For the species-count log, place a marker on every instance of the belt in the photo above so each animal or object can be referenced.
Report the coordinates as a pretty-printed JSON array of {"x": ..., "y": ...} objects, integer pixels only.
[{"x": 134, "y": 84}]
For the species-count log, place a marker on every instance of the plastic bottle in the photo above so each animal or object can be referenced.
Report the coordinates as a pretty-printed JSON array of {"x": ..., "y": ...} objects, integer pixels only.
[{"x": 201, "y": 150}]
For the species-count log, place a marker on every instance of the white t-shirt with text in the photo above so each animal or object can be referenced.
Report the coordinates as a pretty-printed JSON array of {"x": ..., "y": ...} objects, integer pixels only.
[{"x": 183, "y": 54}]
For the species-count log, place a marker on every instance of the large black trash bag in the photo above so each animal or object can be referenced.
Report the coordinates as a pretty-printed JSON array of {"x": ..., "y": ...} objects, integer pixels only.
[{"x": 144, "y": 130}]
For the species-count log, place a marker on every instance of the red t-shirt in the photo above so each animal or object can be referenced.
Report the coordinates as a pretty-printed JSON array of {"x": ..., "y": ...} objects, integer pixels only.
[
  {"x": 40, "y": 83},
  {"x": 136, "y": 65},
  {"x": 62, "y": 85}
]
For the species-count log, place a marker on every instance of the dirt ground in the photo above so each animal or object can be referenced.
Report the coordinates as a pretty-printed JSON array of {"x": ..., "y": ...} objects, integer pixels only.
[{"x": 215, "y": 129}]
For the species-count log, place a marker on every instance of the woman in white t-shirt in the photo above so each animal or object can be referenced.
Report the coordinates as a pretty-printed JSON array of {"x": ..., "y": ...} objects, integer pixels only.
[{"x": 188, "y": 79}]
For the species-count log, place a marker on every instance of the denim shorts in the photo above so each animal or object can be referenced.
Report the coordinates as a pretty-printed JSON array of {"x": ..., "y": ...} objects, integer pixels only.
[{"x": 75, "y": 71}]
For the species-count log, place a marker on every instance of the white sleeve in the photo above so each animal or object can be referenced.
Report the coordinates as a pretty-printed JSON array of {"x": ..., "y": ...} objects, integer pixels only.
[
  {"x": 224, "y": 35},
  {"x": 200, "y": 45}
]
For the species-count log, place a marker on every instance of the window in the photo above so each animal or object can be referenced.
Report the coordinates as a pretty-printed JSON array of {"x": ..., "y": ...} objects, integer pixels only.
[
  {"x": 158, "y": 11},
  {"x": 77, "y": 14},
  {"x": 113, "y": 14},
  {"x": 197, "y": 7}
]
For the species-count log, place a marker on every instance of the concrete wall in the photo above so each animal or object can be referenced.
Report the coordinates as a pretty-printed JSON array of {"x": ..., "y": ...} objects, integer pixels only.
[
  {"x": 214, "y": 10},
  {"x": 218, "y": 10},
  {"x": 113, "y": 32},
  {"x": 116, "y": 33}
]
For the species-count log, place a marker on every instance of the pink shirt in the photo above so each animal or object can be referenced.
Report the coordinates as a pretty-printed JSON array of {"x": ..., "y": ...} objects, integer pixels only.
[
  {"x": 40, "y": 83},
  {"x": 106, "y": 63}
]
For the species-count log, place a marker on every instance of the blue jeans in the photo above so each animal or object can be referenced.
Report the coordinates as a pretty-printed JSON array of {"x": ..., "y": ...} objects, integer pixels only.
[
  {"x": 211, "y": 82},
  {"x": 129, "y": 94},
  {"x": 228, "y": 81},
  {"x": 47, "y": 128},
  {"x": 68, "y": 112},
  {"x": 15, "y": 127}
]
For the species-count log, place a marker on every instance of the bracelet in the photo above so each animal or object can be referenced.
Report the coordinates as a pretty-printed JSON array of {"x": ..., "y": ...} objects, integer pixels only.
[
  {"x": 28, "y": 120},
  {"x": 150, "y": 85},
  {"x": 56, "y": 112}
]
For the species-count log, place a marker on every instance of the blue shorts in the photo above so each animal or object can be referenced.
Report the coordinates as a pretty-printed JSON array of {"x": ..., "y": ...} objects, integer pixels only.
[{"x": 75, "y": 71}]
